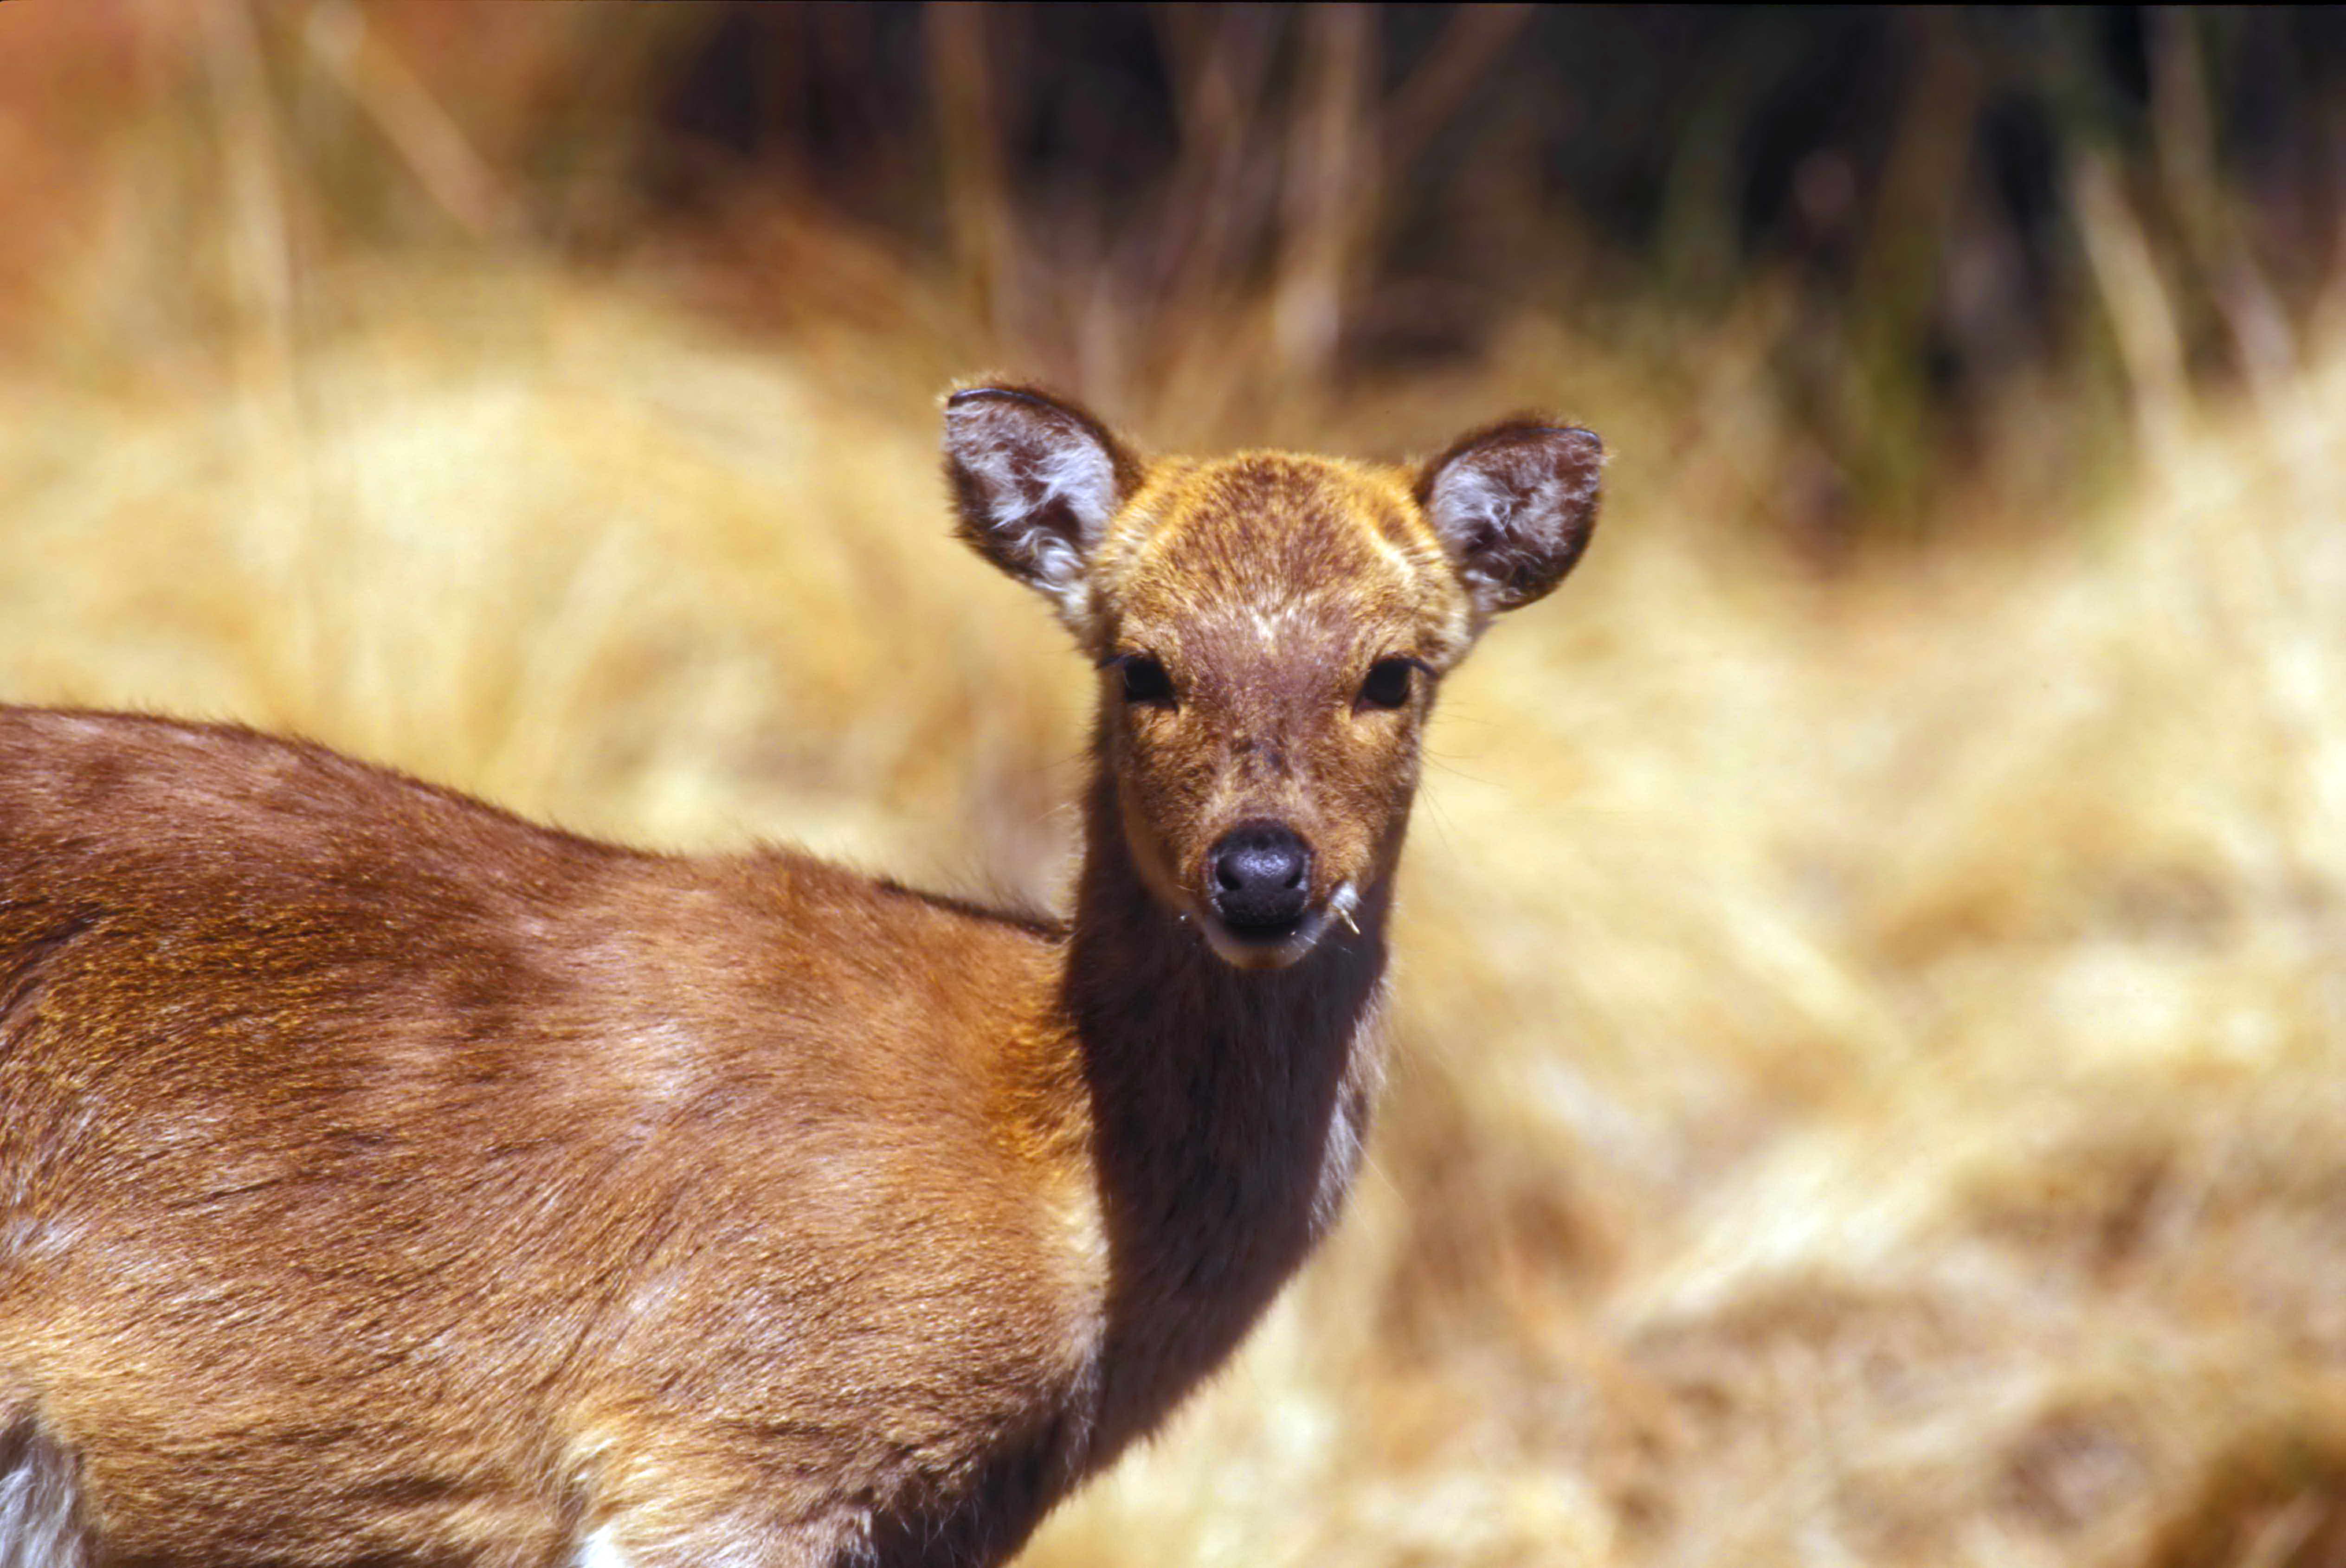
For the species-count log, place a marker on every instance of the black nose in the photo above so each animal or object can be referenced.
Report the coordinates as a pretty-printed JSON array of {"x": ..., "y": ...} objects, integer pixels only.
[{"x": 1259, "y": 878}]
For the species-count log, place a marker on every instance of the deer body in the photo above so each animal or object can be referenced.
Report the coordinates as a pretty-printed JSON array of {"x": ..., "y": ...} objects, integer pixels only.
[{"x": 384, "y": 1179}]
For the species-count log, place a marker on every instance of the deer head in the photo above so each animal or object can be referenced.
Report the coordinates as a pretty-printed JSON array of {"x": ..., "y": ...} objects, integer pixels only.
[{"x": 1271, "y": 632}]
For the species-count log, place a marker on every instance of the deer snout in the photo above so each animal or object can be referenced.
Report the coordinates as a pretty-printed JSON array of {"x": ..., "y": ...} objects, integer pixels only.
[{"x": 1261, "y": 879}]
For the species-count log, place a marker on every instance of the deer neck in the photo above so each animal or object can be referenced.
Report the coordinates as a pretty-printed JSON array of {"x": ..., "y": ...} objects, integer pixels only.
[{"x": 1227, "y": 1109}]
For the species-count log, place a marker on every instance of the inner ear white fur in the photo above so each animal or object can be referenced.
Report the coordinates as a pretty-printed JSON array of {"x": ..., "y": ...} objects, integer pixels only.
[
  {"x": 1021, "y": 490},
  {"x": 1037, "y": 484},
  {"x": 1515, "y": 505},
  {"x": 1471, "y": 512}
]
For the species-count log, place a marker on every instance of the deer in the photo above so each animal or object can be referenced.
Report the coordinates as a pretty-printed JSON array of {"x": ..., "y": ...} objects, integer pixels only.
[{"x": 387, "y": 1179}]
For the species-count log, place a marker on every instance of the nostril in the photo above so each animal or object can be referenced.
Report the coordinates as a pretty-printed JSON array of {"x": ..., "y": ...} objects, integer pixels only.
[{"x": 1260, "y": 869}]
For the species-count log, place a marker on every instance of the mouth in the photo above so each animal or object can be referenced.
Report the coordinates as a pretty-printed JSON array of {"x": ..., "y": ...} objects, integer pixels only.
[{"x": 1276, "y": 946}]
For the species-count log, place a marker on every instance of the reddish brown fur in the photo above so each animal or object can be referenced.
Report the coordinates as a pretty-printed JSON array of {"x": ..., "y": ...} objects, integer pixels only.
[
  {"x": 384, "y": 1179},
  {"x": 1296, "y": 574}
]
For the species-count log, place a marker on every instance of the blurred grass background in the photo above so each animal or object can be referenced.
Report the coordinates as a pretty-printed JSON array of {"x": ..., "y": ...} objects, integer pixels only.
[{"x": 1870, "y": 1018}]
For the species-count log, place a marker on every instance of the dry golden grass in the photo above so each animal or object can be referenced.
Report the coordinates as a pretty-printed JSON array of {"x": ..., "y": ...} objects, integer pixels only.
[{"x": 1871, "y": 1083}]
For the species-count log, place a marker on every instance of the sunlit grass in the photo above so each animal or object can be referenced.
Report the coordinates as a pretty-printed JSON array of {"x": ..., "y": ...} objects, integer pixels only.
[{"x": 1870, "y": 1083}]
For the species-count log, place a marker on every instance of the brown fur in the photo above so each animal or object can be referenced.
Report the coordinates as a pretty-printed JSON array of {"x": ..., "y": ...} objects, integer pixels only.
[{"x": 384, "y": 1179}]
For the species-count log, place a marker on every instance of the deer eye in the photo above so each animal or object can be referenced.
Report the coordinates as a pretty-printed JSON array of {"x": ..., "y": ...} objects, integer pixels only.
[
  {"x": 1145, "y": 679},
  {"x": 1388, "y": 684}
]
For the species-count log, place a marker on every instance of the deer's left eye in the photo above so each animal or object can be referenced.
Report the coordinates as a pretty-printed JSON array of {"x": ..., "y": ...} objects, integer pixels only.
[{"x": 1389, "y": 682}]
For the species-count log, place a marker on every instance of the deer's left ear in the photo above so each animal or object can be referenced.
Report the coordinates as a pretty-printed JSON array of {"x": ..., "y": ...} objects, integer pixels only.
[
  {"x": 1515, "y": 503},
  {"x": 1036, "y": 481}
]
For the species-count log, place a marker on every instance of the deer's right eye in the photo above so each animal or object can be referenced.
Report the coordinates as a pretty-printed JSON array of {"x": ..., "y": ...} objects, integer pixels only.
[
  {"x": 1389, "y": 683},
  {"x": 1145, "y": 679}
]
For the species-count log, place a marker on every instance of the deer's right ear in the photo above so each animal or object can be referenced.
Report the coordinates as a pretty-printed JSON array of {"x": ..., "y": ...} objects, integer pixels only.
[{"x": 1035, "y": 482}]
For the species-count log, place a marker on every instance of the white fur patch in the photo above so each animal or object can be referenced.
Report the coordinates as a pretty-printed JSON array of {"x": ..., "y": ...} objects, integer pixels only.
[
  {"x": 1517, "y": 511},
  {"x": 1467, "y": 502},
  {"x": 1271, "y": 623},
  {"x": 1045, "y": 491},
  {"x": 599, "y": 1550},
  {"x": 40, "y": 1519},
  {"x": 1019, "y": 498}
]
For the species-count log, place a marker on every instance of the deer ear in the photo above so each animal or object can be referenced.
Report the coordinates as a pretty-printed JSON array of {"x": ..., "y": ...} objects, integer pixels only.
[
  {"x": 1034, "y": 481},
  {"x": 1514, "y": 503}
]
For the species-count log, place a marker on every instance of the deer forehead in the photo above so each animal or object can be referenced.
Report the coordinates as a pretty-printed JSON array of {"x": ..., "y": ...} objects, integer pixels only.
[{"x": 1280, "y": 551}]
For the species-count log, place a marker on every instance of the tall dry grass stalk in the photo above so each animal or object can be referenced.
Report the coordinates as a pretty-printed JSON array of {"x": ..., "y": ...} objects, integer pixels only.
[{"x": 1871, "y": 1083}]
